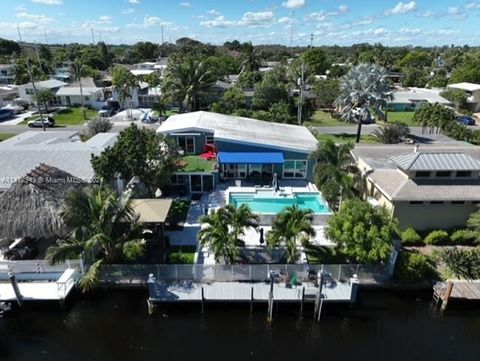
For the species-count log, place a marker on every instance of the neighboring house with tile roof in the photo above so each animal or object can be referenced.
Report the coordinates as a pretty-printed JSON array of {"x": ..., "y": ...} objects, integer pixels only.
[{"x": 432, "y": 187}]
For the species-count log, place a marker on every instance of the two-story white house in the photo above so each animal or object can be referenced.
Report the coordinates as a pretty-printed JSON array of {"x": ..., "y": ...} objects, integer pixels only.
[
  {"x": 27, "y": 95},
  {"x": 473, "y": 92},
  {"x": 7, "y": 73}
]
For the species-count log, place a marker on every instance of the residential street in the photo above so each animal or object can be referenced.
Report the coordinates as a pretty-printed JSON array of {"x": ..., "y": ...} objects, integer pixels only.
[{"x": 17, "y": 129}]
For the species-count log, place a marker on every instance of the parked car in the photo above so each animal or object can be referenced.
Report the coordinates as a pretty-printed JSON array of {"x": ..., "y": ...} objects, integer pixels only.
[
  {"x": 6, "y": 114},
  {"x": 36, "y": 123},
  {"x": 466, "y": 120},
  {"x": 106, "y": 111}
]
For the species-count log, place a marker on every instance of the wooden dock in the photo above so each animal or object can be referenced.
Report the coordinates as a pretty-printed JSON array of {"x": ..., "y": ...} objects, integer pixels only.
[{"x": 456, "y": 290}]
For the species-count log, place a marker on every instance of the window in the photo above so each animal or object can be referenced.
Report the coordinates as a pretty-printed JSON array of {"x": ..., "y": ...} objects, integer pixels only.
[
  {"x": 177, "y": 179},
  {"x": 295, "y": 169},
  {"x": 443, "y": 174},
  {"x": 437, "y": 202},
  {"x": 416, "y": 202},
  {"x": 422, "y": 174},
  {"x": 87, "y": 99},
  {"x": 464, "y": 174},
  {"x": 458, "y": 202},
  {"x": 29, "y": 91},
  {"x": 255, "y": 170},
  {"x": 187, "y": 144},
  {"x": 209, "y": 139}
]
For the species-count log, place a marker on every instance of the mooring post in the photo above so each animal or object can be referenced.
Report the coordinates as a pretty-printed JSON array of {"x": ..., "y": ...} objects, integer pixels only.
[
  {"x": 270, "y": 299},
  {"x": 251, "y": 300},
  {"x": 354, "y": 284},
  {"x": 318, "y": 299},
  {"x": 302, "y": 300},
  {"x": 203, "y": 299},
  {"x": 320, "y": 310},
  {"x": 16, "y": 289}
]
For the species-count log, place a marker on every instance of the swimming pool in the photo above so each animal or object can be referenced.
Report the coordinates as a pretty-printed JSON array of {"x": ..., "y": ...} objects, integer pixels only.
[{"x": 271, "y": 203}]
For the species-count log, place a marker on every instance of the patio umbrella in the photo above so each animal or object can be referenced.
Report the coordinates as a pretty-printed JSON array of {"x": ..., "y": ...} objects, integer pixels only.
[{"x": 262, "y": 238}]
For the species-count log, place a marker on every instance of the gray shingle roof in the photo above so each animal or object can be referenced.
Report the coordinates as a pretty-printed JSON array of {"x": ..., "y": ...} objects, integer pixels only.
[{"x": 425, "y": 161}]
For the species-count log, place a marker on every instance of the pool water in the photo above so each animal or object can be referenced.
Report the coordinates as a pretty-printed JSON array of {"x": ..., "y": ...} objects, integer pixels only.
[{"x": 273, "y": 204}]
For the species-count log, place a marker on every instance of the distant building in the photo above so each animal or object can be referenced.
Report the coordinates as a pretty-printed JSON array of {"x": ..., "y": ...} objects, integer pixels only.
[
  {"x": 93, "y": 96},
  {"x": 61, "y": 149},
  {"x": 431, "y": 187},
  {"x": 27, "y": 94},
  {"x": 408, "y": 99},
  {"x": 473, "y": 92},
  {"x": 7, "y": 73}
]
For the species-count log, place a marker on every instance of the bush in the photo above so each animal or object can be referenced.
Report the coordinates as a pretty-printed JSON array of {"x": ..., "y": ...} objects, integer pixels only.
[
  {"x": 410, "y": 237},
  {"x": 464, "y": 236},
  {"x": 437, "y": 237},
  {"x": 181, "y": 258},
  {"x": 412, "y": 267},
  {"x": 97, "y": 125}
]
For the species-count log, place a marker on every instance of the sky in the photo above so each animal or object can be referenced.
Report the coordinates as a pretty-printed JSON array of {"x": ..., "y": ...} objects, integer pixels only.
[{"x": 341, "y": 22}]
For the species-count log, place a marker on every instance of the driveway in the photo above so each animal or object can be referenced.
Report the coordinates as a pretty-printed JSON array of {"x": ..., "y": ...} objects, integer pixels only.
[{"x": 18, "y": 119}]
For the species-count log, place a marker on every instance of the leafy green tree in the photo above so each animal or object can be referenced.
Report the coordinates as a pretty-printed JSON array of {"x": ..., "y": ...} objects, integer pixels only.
[
  {"x": 187, "y": 81},
  {"x": 439, "y": 79},
  {"x": 221, "y": 231},
  {"x": 280, "y": 112},
  {"x": 362, "y": 232},
  {"x": 413, "y": 77},
  {"x": 45, "y": 96},
  {"x": 416, "y": 60},
  {"x": 222, "y": 65},
  {"x": 251, "y": 60},
  {"x": 125, "y": 83},
  {"x": 364, "y": 87},
  {"x": 233, "y": 99},
  {"x": 435, "y": 117},
  {"x": 270, "y": 90},
  {"x": 316, "y": 61},
  {"x": 80, "y": 70},
  {"x": 98, "y": 125},
  {"x": 457, "y": 97},
  {"x": 100, "y": 222},
  {"x": 9, "y": 47},
  {"x": 138, "y": 152},
  {"x": 412, "y": 267},
  {"x": 326, "y": 92},
  {"x": 248, "y": 79},
  {"x": 468, "y": 72},
  {"x": 291, "y": 226},
  {"x": 392, "y": 133},
  {"x": 333, "y": 171},
  {"x": 145, "y": 51},
  {"x": 337, "y": 71}
]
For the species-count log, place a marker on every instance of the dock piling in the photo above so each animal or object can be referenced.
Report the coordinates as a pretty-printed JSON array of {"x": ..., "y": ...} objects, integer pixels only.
[
  {"x": 203, "y": 299},
  {"x": 16, "y": 289},
  {"x": 319, "y": 300},
  {"x": 270, "y": 299},
  {"x": 251, "y": 300},
  {"x": 302, "y": 300}
]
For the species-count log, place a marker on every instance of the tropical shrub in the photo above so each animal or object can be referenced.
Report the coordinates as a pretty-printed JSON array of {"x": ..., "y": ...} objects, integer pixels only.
[
  {"x": 392, "y": 133},
  {"x": 464, "y": 236},
  {"x": 98, "y": 125},
  {"x": 410, "y": 237},
  {"x": 437, "y": 237},
  {"x": 462, "y": 263},
  {"x": 412, "y": 267}
]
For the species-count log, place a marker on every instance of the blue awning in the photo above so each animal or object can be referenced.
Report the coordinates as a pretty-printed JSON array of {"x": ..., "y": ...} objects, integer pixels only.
[{"x": 250, "y": 158}]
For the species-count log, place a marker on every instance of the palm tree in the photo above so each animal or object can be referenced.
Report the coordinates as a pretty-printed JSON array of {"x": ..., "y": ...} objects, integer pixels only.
[
  {"x": 187, "y": 80},
  {"x": 365, "y": 86},
  {"x": 45, "y": 96},
  {"x": 222, "y": 230},
  {"x": 334, "y": 170},
  {"x": 80, "y": 70},
  {"x": 100, "y": 223},
  {"x": 435, "y": 117},
  {"x": 291, "y": 225},
  {"x": 251, "y": 58}
]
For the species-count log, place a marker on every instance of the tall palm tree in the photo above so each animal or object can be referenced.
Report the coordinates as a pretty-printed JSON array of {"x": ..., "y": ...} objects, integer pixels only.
[
  {"x": 290, "y": 226},
  {"x": 251, "y": 58},
  {"x": 435, "y": 117},
  {"x": 100, "y": 223},
  {"x": 80, "y": 70},
  {"x": 223, "y": 228},
  {"x": 364, "y": 87},
  {"x": 334, "y": 170},
  {"x": 187, "y": 81}
]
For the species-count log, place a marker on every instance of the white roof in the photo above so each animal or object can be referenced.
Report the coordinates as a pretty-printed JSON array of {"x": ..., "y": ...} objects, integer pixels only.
[
  {"x": 49, "y": 84},
  {"x": 416, "y": 95},
  {"x": 141, "y": 71},
  {"x": 61, "y": 149},
  {"x": 471, "y": 87},
  {"x": 243, "y": 130},
  {"x": 74, "y": 90}
]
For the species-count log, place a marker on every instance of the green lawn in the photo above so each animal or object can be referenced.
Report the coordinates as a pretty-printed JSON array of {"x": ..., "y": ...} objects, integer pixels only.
[
  {"x": 404, "y": 117},
  {"x": 4, "y": 136},
  {"x": 345, "y": 138},
  {"x": 324, "y": 119},
  {"x": 193, "y": 163},
  {"x": 323, "y": 255},
  {"x": 70, "y": 116},
  {"x": 181, "y": 255}
]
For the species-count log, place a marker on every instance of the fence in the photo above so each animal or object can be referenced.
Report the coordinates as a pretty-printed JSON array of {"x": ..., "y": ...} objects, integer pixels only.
[
  {"x": 37, "y": 269},
  {"x": 231, "y": 273}
]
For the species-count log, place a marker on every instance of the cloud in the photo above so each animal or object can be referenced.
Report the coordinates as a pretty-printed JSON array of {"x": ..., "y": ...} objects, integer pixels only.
[
  {"x": 133, "y": 1},
  {"x": 472, "y": 6},
  {"x": 27, "y": 25},
  {"x": 316, "y": 16},
  {"x": 41, "y": 19},
  {"x": 254, "y": 19},
  {"x": 294, "y": 4},
  {"x": 104, "y": 19},
  {"x": 48, "y": 2},
  {"x": 408, "y": 31},
  {"x": 457, "y": 13},
  {"x": 128, "y": 11},
  {"x": 342, "y": 9},
  {"x": 213, "y": 12},
  {"x": 402, "y": 8},
  {"x": 152, "y": 21},
  {"x": 257, "y": 19},
  {"x": 284, "y": 20},
  {"x": 186, "y": 4}
]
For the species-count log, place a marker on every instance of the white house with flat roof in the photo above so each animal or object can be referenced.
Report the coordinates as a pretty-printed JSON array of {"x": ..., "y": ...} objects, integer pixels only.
[
  {"x": 61, "y": 149},
  {"x": 407, "y": 99},
  {"x": 473, "y": 92},
  {"x": 27, "y": 95},
  {"x": 427, "y": 187},
  {"x": 93, "y": 96}
]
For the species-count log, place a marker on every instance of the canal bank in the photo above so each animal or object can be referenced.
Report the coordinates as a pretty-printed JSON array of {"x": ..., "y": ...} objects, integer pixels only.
[{"x": 116, "y": 326}]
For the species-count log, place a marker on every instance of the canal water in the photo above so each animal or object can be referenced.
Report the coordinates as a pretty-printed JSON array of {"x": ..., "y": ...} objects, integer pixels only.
[{"x": 115, "y": 326}]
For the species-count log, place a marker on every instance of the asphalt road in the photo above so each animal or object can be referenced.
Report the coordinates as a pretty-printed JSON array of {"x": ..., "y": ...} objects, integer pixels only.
[{"x": 17, "y": 129}]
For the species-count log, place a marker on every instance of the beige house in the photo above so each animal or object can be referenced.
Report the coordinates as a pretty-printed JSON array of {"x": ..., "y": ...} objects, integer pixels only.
[{"x": 431, "y": 187}]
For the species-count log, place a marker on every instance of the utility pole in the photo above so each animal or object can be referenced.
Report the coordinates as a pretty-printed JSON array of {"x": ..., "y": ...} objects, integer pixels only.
[
  {"x": 162, "y": 35},
  {"x": 311, "y": 41},
  {"x": 291, "y": 29},
  {"x": 93, "y": 36},
  {"x": 19, "y": 34},
  {"x": 300, "y": 82}
]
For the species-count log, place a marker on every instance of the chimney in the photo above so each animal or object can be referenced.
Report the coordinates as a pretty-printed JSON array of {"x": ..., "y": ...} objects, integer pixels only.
[{"x": 415, "y": 148}]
